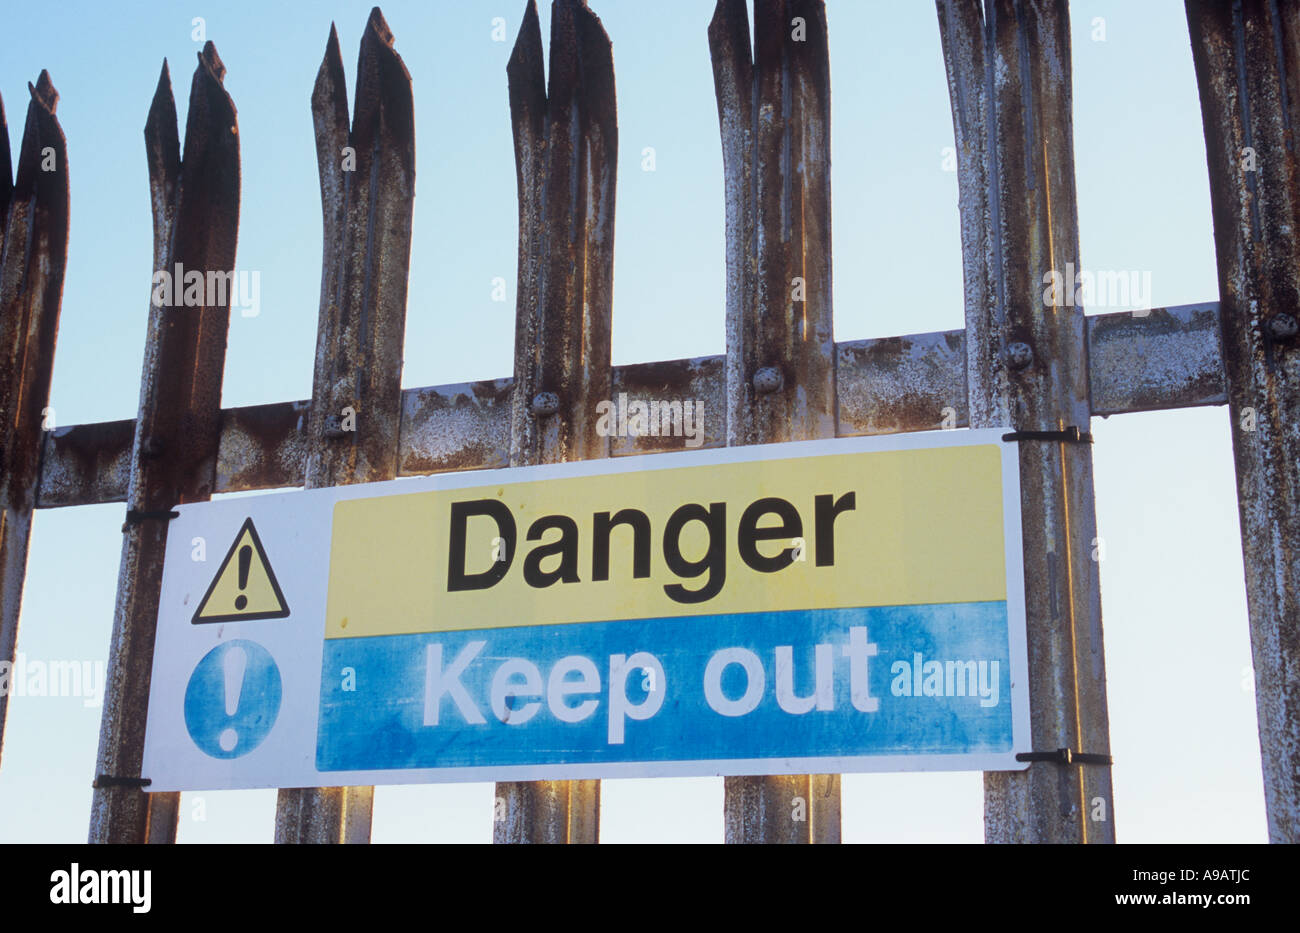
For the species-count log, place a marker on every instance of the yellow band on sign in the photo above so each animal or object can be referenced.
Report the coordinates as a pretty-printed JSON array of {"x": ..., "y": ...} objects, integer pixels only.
[{"x": 898, "y": 527}]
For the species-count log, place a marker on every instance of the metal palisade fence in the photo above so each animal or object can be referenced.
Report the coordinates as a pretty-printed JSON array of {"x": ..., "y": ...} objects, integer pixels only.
[{"x": 1041, "y": 369}]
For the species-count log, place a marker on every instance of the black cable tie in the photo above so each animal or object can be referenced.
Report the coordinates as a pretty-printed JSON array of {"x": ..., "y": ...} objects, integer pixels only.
[
  {"x": 1071, "y": 435},
  {"x": 136, "y": 517},
  {"x": 109, "y": 780},
  {"x": 1066, "y": 756}
]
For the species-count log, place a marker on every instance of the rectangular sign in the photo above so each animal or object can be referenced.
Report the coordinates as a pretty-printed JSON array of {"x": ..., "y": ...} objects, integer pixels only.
[{"x": 817, "y": 607}]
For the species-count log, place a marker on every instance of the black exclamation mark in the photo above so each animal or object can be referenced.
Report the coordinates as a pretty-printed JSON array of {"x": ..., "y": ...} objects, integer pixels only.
[{"x": 245, "y": 560}]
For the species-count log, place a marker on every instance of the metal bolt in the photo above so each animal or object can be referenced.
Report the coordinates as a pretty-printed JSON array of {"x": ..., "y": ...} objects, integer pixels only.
[
  {"x": 1019, "y": 354},
  {"x": 151, "y": 448},
  {"x": 545, "y": 403},
  {"x": 768, "y": 379},
  {"x": 1283, "y": 326},
  {"x": 334, "y": 427}
]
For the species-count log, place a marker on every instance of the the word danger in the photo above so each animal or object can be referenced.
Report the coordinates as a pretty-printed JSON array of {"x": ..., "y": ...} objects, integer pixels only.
[{"x": 755, "y": 526}]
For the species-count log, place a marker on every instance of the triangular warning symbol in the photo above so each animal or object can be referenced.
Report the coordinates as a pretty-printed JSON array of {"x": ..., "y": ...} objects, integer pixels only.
[{"x": 245, "y": 587}]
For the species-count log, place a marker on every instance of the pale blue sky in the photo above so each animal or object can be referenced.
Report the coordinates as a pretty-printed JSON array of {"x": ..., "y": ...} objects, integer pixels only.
[{"x": 1177, "y": 643}]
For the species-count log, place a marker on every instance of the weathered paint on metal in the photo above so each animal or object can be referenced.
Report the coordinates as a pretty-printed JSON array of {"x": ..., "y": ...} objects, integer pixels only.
[
  {"x": 174, "y": 449},
  {"x": 774, "y": 116},
  {"x": 367, "y": 217},
  {"x": 896, "y": 384},
  {"x": 1009, "y": 79},
  {"x": 1247, "y": 60},
  {"x": 86, "y": 464},
  {"x": 456, "y": 427},
  {"x": 1168, "y": 358},
  {"x": 700, "y": 382},
  {"x": 33, "y": 256},
  {"x": 262, "y": 444},
  {"x": 1164, "y": 358},
  {"x": 566, "y": 154}
]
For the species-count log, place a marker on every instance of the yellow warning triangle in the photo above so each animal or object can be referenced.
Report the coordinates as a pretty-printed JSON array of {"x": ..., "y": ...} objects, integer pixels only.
[{"x": 245, "y": 587}]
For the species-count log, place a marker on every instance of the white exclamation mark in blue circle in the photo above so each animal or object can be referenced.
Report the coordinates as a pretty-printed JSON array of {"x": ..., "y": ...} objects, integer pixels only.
[
  {"x": 232, "y": 699},
  {"x": 234, "y": 663}
]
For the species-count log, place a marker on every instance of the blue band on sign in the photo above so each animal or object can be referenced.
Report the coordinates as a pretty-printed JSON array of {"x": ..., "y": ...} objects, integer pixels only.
[{"x": 880, "y": 681}]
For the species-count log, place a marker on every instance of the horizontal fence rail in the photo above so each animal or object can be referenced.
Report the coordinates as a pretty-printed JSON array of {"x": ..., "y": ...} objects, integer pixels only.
[{"x": 1165, "y": 358}]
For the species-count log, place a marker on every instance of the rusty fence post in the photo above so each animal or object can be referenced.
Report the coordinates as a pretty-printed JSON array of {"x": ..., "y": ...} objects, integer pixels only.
[
  {"x": 566, "y": 148},
  {"x": 1247, "y": 59},
  {"x": 774, "y": 111},
  {"x": 367, "y": 182},
  {"x": 1027, "y": 369},
  {"x": 174, "y": 454},
  {"x": 33, "y": 256}
]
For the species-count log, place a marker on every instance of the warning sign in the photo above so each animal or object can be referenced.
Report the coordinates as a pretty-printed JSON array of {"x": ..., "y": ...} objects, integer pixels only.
[
  {"x": 819, "y": 607},
  {"x": 244, "y": 588}
]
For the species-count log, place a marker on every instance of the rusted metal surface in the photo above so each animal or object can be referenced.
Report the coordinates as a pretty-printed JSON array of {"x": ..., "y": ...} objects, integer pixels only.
[
  {"x": 456, "y": 427},
  {"x": 701, "y": 382},
  {"x": 1167, "y": 358},
  {"x": 33, "y": 256},
  {"x": 1247, "y": 59},
  {"x": 1008, "y": 69},
  {"x": 366, "y": 262},
  {"x": 774, "y": 115},
  {"x": 896, "y": 384},
  {"x": 174, "y": 450},
  {"x": 262, "y": 446},
  {"x": 566, "y": 153},
  {"x": 86, "y": 464}
]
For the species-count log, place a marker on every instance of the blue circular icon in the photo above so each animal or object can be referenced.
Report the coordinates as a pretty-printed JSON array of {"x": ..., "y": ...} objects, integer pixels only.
[{"x": 232, "y": 699}]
